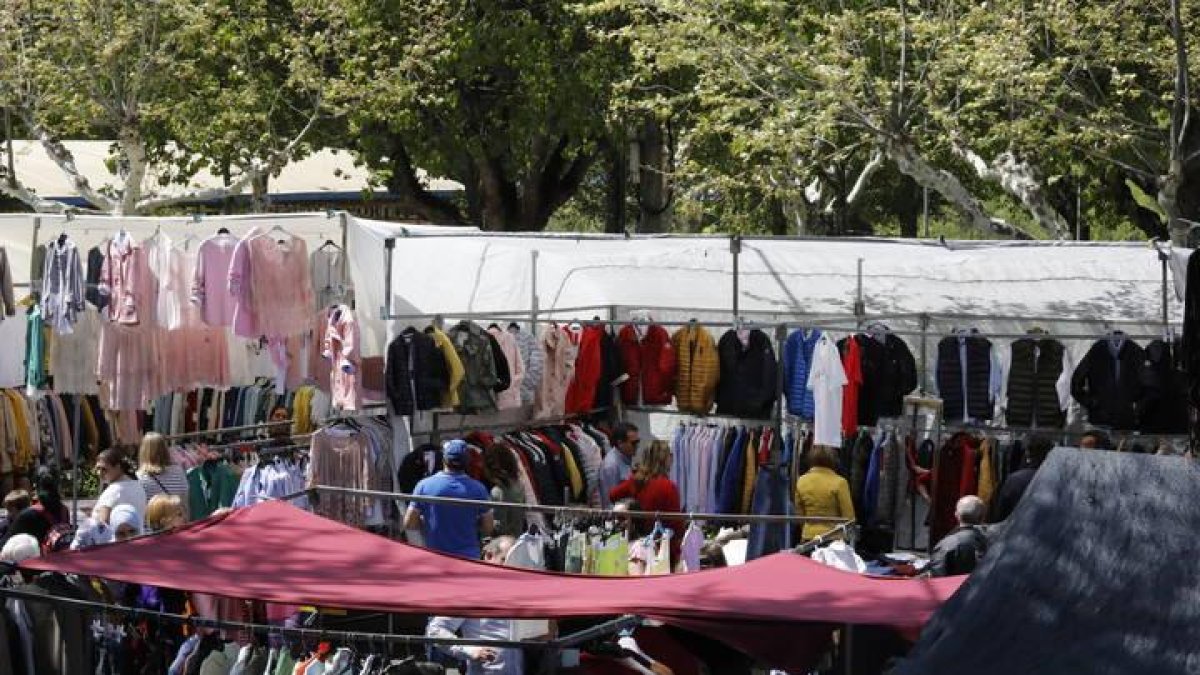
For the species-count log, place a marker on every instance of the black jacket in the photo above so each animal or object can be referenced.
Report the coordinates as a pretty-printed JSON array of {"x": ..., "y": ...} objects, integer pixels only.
[
  {"x": 749, "y": 375},
  {"x": 1110, "y": 389},
  {"x": 610, "y": 369},
  {"x": 1164, "y": 408},
  {"x": 416, "y": 373},
  {"x": 1191, "y": 329},
  {"x": 1033, "y": 383},
  {"x": 889, "y": 373},
  {"x": 503, "y": 369},
  {"x": 978, "y": 396}
]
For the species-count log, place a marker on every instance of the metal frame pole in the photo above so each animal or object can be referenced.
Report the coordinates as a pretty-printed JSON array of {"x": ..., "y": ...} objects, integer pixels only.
[
  {"x": 1163, "y": 259},
  {"x": 735, "y": 248},
  {"x": 860, "y": 307},
  {"x": 35, "y": 274},
  {"x": 533, "y": 291},
  {"x": 75, "y": 461},
  {"x": 344, "y": 221},
  {"x": 389, "y": 248},
  {"x": 924, "y": 353}
]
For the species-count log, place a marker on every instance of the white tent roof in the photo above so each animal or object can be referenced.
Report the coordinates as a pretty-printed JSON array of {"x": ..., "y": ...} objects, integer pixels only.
[{"x": 323, "y": 172}]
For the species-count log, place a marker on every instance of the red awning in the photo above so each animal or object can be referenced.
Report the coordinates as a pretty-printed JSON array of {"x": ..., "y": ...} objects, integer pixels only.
[{"x": 278, "y": 553}]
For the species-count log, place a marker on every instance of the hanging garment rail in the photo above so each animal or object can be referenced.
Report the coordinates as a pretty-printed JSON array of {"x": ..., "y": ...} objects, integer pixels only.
[
  {"x": 581, "y": 510},
  {"x": 227, "y": 430},
  {"x": 1054, "y": 433},
  {"x": 699, "y": 419},
  {"x": 253, "y": 443},
  {"x": 509, "y": 426},
  {"x": 314, "y": 634}
]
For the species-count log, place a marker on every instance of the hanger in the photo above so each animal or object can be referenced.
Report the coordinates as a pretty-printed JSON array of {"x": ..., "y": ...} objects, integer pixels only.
[
  {"x": 223, "y": 230},
  {"x": 328, "y": 243}
]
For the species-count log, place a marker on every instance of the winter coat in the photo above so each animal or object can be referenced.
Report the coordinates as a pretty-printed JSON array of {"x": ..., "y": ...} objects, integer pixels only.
[
  {"x": 650, "y": 364},
  {"x": 504, "y": 372},
  {"x": 416, "y": 376},
  {"x": 510, "y": 397},
  {"x": 977, "y": 399},
  {"x": 1191, "y": 329},
  {"x": 589, "y": 368},
  {"x": 1110, "y": 388},
  {"x": 748, "y": 375},
  {"x": 797, "y": 360},
  {"x": 698, "y": 369},
  {"x": 473, "y": 345},
  {"x": 610, "y": 364},
  {"x": 889, "y": 373},
  {"x": 558, "y": 359},
  {"x": 1163, "y": 407},
  {"x": 454, "y": 366},
  {"x": 1033, "y": 383}
]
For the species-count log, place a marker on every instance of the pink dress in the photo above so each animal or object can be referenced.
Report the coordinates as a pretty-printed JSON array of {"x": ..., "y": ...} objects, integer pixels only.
[
  {"x": 239, "y": 283},
  {"x": 510, "y": 398},
  {"x": 210, "y": 280},
  {"x": 194, "y": 353},
  {"x": 340, "y": 348},
  {"x": 128, "y": 364},
  {"x": 281, "y": 295}
]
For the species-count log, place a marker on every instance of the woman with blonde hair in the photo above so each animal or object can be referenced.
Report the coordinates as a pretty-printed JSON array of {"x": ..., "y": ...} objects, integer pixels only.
[
  {"x": 822, "y": 493},
  {"x": 165, "y": 512},
  {"x": 654, "y": 491},
  {"x": 157, "y": 471}
]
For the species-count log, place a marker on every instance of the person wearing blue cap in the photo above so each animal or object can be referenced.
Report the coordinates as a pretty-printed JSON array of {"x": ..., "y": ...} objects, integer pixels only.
[{"x": 452, "y": 528}]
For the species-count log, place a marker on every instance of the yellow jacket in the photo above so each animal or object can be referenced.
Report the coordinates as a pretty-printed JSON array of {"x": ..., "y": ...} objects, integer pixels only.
[
  {"x": 698, "y": 369},
  {"x": 822, "y": 493},
  {"x": 453, "y": 363}
]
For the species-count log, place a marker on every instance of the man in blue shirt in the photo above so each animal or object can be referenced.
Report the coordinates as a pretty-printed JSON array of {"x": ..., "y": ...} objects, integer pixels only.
[
  {"x": 618, "y": 463},
  {"x": 452, "y": 528}
]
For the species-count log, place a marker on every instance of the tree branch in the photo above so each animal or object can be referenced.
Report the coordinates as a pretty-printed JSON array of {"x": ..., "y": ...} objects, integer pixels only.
[
  {"x": 406, "y": 183},
  {"x": 864, "y": 179},
  {"x": 12, "y": 187},
  {"x": 1018, "y": 179},
  {"x": 66, "y": 162}
]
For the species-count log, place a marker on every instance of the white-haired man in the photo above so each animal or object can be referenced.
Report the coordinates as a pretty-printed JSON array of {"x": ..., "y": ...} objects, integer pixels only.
[{"x": 961, "y": 550}]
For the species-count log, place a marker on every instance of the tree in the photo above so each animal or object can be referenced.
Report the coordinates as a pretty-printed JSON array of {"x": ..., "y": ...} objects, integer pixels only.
[
  {"x": 156, "y": 78},
  {"x": 507, "y": 98}
]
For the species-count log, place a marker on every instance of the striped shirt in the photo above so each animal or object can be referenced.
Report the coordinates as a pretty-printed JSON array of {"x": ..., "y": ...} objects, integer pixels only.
[{"x": 172, "y": 481}]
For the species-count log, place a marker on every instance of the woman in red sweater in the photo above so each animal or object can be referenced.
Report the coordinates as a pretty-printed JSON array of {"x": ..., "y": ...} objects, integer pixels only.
[{"x": 654, "y": 492}]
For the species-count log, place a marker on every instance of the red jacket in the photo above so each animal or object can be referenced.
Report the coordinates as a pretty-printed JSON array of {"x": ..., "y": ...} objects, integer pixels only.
[
  {"x": 650, "y": 364},
  {"x": 581, "y": 394}
]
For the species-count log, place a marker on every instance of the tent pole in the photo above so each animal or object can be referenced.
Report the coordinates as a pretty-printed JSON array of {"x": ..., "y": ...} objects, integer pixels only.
[
  {"x": 1163, "y": 259},
  {"x": 35, "y": 273},
  {"x": 735, "y": 248},
  {"x": 924, "y": 353},
  {"x": 389, "y": 248},
  {"x": 859, "y": 305},
  {"x": 343, "y": 220},
  {"x": 533, "y": 291},
  {"x": 75, "y": 462}
]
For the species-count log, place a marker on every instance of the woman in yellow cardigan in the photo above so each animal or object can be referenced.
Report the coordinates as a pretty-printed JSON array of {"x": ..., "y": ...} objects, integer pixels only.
[{"x": 821, "y": 492}]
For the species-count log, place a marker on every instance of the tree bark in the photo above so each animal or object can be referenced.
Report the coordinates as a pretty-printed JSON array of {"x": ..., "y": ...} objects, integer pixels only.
[
  {"x": 654, "y": 197},
  {"x": 133, "y": 151},
  {"x": 1170, "y": 184},
  {"x": 1018, "y": 179},
  {"x": 65, "y": 161},
  {"x": 616, "y": 185},
  {"x": 407, "y": 184},
  {"x": 910, "y": 163}
]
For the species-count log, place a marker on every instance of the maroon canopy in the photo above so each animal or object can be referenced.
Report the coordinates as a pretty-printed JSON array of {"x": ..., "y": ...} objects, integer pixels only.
[{"x": 278, "y": 553}]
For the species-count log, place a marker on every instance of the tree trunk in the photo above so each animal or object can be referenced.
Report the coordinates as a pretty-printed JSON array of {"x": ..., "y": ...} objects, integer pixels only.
[
  {"x": 654, "y": 197},
  {"x": 1018, "y": 179},
  {"x": 260, "y": 195},
  {"x": 133, "y": 152},
  {"x": 616, "y": 215}
]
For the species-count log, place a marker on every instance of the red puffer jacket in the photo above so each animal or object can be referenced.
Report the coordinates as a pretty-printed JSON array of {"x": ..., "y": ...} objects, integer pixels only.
[{"x": 650, "y": 364}]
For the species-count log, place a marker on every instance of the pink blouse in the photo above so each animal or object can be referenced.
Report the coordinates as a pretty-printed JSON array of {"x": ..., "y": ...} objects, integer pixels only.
[
  {"x": 124, "y": 278},
  {"x": 210, "y": 280}
]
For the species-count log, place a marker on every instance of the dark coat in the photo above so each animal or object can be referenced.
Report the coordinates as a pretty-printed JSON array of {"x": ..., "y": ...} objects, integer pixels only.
[
  {"x": 1033, "y": 383},
  {"x": 1110, "y": 389},
  {"x": 749, "y": 374},
  {"x": 416, "y": 374},
  {"x": 959, "y": 552},
  {"x": 889, "y": 373},
  {"x": 978, "y": 396},
  {"x": 1163, "y": 407}
]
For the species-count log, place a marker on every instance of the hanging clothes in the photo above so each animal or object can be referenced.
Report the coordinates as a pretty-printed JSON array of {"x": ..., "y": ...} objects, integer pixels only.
[
  {"x": 826, "y": 380},
  {"x": 330, "y": 280},
  {"x": 35, "y": 350},
  {"x": 210, "y": 279},
  {"x": 454, "y": 366},
  {"x": 966, "y": 377},
  {"x": 503, "y": 370},
  {"x": 748, "y": 375},
  {"x": 1039, "y": 383},
  {"x": 889, "y": 373},
  {"x": 280, "y": 284},
  {"x": 558, "y": 369},
  {"x": 852, "y": 366},
  {"x": 8, "y": 306},
  {"x": 474, "y": 348},
  {"x": 588, "y": 370},
  {"x": 533, "y": 359},
  {"x": 125, "y": 280},
  {"x": 1163, "y": 407},
  {"x": 211, "y": 486},
  {"x": 62, "y": 295},
  {"x": 510, "y": 397},
  {"x": 1108, "y": 382},
  {"x": 698, "y": 367},
  {"x": 797, "y": 361},
  {"x": 341, "y": 349},
  {"x": 649, "y": 359},
  {"x": 73, "y": 357},
  {"x": 416, "y": 375}
]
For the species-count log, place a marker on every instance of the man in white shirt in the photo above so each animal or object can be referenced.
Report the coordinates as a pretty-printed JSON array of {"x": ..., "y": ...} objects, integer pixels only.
[{"x": 480, "y": 659}]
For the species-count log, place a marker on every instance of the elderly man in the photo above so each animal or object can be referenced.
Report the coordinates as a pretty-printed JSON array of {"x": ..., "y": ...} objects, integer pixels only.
[
  {"x": 961, "y": 550},
  {"x": 482, "y": 660}
]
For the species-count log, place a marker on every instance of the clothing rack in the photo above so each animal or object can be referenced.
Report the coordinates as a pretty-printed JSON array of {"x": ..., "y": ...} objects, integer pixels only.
[
  {"x": 584, "y": 511},
  {"x": 438, "y": 431},
  {"x": 227, "y": 430},
  {"x": 255, "y": 442},
  {"x": 807, "y": 547},
  {"x": 1056, "y": 433},
  {"x": 323, "y": 635}
]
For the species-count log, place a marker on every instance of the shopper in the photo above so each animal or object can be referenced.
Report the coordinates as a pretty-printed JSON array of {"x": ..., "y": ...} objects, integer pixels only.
[
  {"x": 961, "y": 550},
  {"x": 122, "y": 486},
  {"x": 14, "y": 503},
  {"x": 618, "y": 463},
  {"x": 1014, "y": 487},
  {"x": 481, "y": 659},
  {"x": 47, "y": 514},
  {"x": 654, "y": 492},
  {"x": 157, "y": 471},
  {"x": 500, "y": 469},
  {"x": 452, "y": 528},
  {"x": 165, "y": 512},
  {"x": 125, "y": 522},
  {"x": 822, "y": 493}
]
